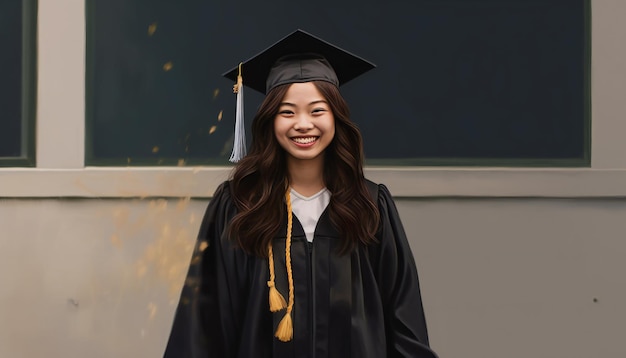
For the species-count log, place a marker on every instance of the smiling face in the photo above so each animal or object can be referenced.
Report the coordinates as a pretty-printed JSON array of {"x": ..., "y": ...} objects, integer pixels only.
[{"x": 304, "y": 125}]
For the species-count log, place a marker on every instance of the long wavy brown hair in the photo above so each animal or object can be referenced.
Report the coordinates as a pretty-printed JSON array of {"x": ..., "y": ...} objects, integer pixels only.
[{"x": 260, "y": 179}]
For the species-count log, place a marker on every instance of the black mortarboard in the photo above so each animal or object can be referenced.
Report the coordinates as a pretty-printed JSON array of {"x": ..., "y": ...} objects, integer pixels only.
[{"x": 299, "y": 57}]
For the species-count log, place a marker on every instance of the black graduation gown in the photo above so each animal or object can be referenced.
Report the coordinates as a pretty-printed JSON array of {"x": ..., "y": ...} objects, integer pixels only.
[{"x": 366, "y": 304}]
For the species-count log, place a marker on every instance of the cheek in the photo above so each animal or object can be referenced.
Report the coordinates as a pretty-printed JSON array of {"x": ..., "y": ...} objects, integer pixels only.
[
  {"x": 277, "y": 126},
  {"x": 281, "y": 128},
  {"x": 331, "y": 127}
]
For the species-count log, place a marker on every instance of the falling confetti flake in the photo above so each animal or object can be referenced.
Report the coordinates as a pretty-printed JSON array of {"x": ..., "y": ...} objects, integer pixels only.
[
  {"x": 168, "y": 66},
  {"x": 216, "y": 92},
  {"x": 182, "y": 204},
  {"x": 219, "y": 115},
  {"x": 152, "y": 308},
  {"x": 115, "y": 240},
  {"x": 212, "y": 129},
  {"x": 155, "y": 149},
  {"x": 142, "y": 269},
  {"x": 152, "y": 28},
  {"x": 165, "y": 260}
]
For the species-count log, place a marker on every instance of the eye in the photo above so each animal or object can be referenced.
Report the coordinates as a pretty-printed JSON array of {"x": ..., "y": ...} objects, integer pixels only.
[
  {"x": 318, "y": 110},
  {"x": 286, "y": 112}
]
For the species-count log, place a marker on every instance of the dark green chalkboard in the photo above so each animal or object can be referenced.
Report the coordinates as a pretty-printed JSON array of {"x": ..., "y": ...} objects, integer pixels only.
[
  {"x": 471, "y": 82},
  {"x": 17, "y": 82}
]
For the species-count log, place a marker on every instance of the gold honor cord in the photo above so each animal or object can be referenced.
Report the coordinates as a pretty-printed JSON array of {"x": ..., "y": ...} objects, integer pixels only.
[{"x": 284, "y": 332}]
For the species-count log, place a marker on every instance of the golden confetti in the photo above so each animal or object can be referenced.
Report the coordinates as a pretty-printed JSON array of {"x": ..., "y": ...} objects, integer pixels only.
[
  {"x": 195, "y": 259},
  {"x": 181, "y": 162},
  {"x": 152, "y": 307},
  {"x": 165, "y": 260},
  {"x": 142, "y": 269},
  {"x": 121, "y": 216},
  {"x": 165, "y": 230},
  {"x": 212, "y": 129},
  {"x": 192, "y": 281},
  {"x": 219, "y": 115},
  {"x": 155, "y": 149},
  {"x": 128, "y": 160},
  {"x": 160, "y": 204},
  {"x": 216, "y": 92},
  {"x": 160, "y": 161},
  {"x": 152, "y": 28},
  {"x": 115, "y": 240},
  {"x": 203, "y": 245},
  {"x": 168, "y": 66},
  {"x": 182, "y": 203}
]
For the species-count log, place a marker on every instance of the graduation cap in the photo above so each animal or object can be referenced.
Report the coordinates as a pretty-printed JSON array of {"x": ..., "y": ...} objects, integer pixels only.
[{"x": 298, "y": 57}]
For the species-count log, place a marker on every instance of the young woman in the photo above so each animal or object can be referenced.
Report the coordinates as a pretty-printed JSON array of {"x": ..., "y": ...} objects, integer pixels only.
[{"x": 299, "y": 255}]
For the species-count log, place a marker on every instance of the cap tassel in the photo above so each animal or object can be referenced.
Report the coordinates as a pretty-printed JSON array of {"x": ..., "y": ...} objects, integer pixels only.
[
  {"x": 284, "y": 332},
  {"x": 239, "y": 143}
]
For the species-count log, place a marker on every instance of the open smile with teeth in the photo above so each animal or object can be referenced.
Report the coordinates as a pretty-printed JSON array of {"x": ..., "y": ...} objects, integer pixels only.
[{"x": 304, "y": 140}]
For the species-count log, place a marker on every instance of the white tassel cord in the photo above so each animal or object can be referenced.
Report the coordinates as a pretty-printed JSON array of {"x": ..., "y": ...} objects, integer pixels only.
[{"x": 239, "y": 143}]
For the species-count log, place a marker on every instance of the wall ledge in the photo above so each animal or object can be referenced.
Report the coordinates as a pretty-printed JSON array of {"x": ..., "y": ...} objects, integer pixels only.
[{"x": 200, "y": 182}]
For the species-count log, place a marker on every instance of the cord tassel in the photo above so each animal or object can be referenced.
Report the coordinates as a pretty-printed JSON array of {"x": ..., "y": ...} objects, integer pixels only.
[
  {"x": 239, "y": 143},
  {"x": 284, "y": 332},
  {"x": 277, "y": 301}
]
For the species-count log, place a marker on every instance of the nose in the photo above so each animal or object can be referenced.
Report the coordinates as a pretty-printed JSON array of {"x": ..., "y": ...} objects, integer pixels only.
[{"x": 303, "y": 123}]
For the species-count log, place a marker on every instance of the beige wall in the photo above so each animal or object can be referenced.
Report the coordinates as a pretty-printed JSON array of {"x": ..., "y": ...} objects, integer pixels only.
[
  {"x": 510, "y": 260},
  {"x": 517, "y": 278},
  {"x": 511, "y": 278},
  {"x": 92, "y": 278}
]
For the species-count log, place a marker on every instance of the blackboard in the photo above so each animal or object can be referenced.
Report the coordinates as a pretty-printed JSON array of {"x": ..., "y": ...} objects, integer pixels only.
[
  {"x": 471, "y": 82},
  {"x": 11, "y": 78}
]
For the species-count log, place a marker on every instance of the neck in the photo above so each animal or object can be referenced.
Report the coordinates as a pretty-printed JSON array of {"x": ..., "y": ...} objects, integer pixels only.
[{"x": 306, "y": 176}]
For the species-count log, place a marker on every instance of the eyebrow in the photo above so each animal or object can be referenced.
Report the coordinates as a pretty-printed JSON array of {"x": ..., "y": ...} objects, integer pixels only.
[{"x": 310, "y": 104}]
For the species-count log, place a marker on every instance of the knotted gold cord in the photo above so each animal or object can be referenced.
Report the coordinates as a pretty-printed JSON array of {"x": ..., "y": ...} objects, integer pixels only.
[
  {"x": 284, "y": 332},
  {"x": 277, "y": 301}
]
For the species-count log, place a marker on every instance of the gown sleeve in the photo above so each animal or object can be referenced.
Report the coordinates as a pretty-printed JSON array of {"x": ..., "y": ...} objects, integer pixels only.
[
  {"x": 405, "y": 324},
  {"x": 208, "y": 315}
]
